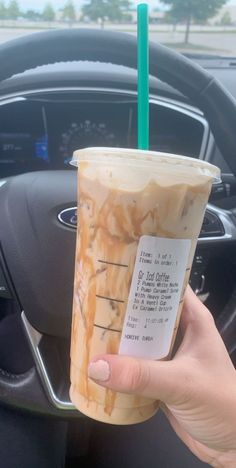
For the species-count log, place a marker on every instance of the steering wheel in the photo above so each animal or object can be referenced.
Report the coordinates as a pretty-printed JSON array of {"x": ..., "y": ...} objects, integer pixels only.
[{"x": 39, "y": 251}]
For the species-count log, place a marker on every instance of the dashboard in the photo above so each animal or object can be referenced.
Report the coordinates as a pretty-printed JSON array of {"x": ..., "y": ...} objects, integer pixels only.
[{"x": 42, "y": 131}]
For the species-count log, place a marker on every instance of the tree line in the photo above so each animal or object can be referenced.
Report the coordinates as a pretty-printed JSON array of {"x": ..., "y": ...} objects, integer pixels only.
[
  {"x": 12, "y": 11},
  {"x": 94, "y": 10},
  {"x": 188, "y": 11},
  {"x": 179, "y": 11}
]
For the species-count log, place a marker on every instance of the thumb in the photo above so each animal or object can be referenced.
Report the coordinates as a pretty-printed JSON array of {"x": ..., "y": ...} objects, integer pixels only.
[{"x": 159, "y": 380}]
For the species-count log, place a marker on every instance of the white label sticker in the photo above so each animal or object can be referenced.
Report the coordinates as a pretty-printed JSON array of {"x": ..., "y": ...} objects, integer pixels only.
[{"x": 154, "y": 297}]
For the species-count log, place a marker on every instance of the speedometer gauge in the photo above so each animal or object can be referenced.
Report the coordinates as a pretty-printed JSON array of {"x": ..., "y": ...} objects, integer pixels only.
[{"x": 84, "y": 134}]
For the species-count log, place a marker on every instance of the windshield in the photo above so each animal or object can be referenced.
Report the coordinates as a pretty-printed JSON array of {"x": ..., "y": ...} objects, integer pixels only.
[{"x": 206, "y": 28}]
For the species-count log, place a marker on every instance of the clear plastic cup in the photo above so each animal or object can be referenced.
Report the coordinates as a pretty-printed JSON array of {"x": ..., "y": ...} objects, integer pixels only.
[{"x": 139, "y": 217}]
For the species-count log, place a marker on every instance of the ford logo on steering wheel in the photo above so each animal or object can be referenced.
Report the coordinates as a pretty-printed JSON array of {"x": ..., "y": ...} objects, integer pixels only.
[{"x": 68, "y": 217}]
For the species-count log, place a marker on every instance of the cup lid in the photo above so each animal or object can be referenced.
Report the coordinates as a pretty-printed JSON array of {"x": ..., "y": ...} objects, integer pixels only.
[{"x": 141, "y": 158}]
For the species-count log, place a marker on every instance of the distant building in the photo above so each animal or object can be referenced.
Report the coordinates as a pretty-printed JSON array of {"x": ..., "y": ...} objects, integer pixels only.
[
  {"x": 59, "y": 15},
  {"x": 154, "y": 16},
  {"x": 230, "y": 9}
]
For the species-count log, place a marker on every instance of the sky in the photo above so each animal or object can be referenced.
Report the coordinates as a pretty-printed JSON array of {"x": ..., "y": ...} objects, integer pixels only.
[{"x": 31, "y": 4}]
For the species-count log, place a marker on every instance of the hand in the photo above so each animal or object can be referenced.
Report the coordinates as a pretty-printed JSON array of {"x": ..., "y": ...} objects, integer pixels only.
[{"x": 197, "y": 387}]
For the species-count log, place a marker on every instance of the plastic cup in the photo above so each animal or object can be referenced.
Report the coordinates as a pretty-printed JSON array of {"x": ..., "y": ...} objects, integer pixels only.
[{"x": 139, "y": 217}]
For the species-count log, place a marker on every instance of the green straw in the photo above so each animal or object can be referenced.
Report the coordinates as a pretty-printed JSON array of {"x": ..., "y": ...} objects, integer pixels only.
[{"x": 143, "y": 77}]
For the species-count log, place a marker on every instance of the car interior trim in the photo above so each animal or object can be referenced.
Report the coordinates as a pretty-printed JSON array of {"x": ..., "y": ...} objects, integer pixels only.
[
  {"x": 227, "y": 222},
  {"x": 34, "y": 338}
]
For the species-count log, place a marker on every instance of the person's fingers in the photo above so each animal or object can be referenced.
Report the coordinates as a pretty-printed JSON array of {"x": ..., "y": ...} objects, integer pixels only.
[
  {"x": 169, "y": 381},
  {"x": 195, "y": 314},
  {"x": 178, "y": 428},
  {"x": 200, "y": 337},
  {"x": 159, "y": 380},
  {"x": 193, "y": 445}
]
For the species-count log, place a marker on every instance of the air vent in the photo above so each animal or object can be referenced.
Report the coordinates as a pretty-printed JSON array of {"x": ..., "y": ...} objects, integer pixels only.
[{"x": 212, "y": 226}]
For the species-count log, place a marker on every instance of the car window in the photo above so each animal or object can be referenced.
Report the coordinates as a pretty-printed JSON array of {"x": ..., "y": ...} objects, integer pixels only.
[{"x": 205, "y": 27}]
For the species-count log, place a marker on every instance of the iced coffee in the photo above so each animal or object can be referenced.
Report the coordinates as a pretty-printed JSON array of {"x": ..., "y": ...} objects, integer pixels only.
[{"x": 139, "y": 217}]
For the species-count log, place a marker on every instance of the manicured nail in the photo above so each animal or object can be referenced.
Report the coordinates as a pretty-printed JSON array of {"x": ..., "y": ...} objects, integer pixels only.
[{"x": 99, "y": 370}]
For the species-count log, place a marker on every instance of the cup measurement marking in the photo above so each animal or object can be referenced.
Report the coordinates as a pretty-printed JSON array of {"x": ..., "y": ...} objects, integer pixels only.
[
  {"x": 99, "y": 296},
  {"x": 106, "y": 328},
  {"x": 109, "y": 299},
  {"x": 119, "y": 300},
  {"x": 113, "y": 263}
]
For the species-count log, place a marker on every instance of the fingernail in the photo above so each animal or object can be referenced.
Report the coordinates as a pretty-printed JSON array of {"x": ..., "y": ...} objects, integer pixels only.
[{"x": 99, "y": 370}]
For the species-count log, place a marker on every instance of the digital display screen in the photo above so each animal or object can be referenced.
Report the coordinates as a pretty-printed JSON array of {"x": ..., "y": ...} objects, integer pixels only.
[
  {"x": 41, "y": 148},
  {"x": 171, "y": 131},
  {"x": 15, "y": 147},
  {"x": 175, "y": 132},
  {"x": 23, "y": 138}
]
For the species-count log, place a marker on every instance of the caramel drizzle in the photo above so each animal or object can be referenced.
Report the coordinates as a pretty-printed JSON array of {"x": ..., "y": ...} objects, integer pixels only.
[{"x": 116, "y": 228}]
